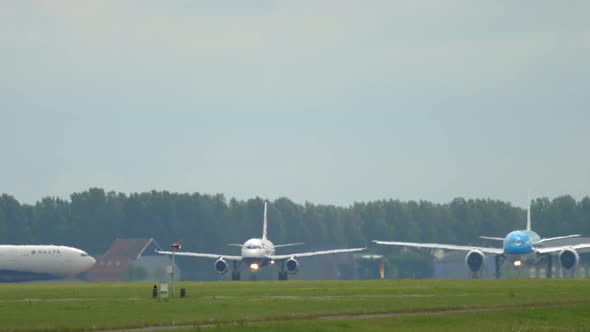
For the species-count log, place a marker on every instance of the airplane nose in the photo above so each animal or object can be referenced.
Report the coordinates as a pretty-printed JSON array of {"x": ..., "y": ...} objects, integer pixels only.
[{"x": 92, "y": 261}]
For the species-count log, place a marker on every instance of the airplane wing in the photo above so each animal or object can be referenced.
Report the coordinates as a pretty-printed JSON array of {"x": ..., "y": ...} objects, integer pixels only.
[
  {"x": 315, "y": 253},
  {"x": 495, "y": 251},
  {"x": 560, "y": 237},
  {"x": 584, "y": 247},
  {"x": 196, "y": 254}
]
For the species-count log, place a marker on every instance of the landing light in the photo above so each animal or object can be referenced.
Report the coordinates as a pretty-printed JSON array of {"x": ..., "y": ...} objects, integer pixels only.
[
  {"x": 272, "y": 262},
  {"x": 254, "y": 267},
  {"x": 517, "y": 263}
]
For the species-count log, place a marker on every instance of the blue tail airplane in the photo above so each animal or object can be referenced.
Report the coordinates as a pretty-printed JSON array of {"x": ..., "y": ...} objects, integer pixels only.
[{"x": 520, "y": 247}]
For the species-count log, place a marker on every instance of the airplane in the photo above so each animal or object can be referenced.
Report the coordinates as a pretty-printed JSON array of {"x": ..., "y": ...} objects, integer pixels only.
[
  {"x": 519, "y": 247},
  {"x": 41, "y": 262},
  {"x": 258, "y": 253}
]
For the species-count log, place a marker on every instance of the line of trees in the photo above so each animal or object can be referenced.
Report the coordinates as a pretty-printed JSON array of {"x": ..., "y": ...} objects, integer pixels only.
[{"x": 92, "y": 219}]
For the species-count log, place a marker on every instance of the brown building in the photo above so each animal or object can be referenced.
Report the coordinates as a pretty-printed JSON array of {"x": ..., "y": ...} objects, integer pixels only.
[{"x": 132, "y": 260}]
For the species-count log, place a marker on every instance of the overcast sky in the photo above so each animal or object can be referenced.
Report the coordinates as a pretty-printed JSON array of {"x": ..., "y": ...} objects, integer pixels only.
[{"x": 323, "y": 101}]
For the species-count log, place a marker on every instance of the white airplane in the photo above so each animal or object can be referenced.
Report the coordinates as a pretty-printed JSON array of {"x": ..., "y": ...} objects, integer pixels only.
[
  {"x": 258, "y": 253},
  {"x": 519, "y": 247},
  {"x": 41, "y": 262}
]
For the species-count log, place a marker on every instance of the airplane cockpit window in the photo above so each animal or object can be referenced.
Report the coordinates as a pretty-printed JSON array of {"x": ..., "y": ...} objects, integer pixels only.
[
  {"x": 84, "y": 254},
  {"x": 517, "y": 241}
]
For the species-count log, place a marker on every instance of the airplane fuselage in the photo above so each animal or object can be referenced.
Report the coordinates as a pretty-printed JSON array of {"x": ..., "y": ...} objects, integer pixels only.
[
  {"x": 256, "y": 253},
  {"x": 41, "y": 262},
  {"x": 519, "y": 246}
]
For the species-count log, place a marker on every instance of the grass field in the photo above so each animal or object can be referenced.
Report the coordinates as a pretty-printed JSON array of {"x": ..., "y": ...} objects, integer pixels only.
[{"x": 375, "y": 305}]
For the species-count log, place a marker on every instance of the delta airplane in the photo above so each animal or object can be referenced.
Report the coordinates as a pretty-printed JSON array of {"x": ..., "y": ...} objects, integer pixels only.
[
  {"x": 41, "y": 262},
  {"x": 258, "y": 253},
  {"x": 519, "y": 247}
]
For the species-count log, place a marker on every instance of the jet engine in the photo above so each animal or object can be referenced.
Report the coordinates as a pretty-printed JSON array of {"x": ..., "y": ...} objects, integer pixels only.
[
  {"x": 474, "y": 261},
  {"x": 292, "y": 265},
  {"x": 568, "y": 258},
  {"x": 220, "y": 266}
]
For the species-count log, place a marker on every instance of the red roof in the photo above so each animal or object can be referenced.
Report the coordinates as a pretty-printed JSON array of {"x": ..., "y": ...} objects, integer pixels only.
[
  {"x": 127, "y": 248},
  {"x": 116, "y": 260}
]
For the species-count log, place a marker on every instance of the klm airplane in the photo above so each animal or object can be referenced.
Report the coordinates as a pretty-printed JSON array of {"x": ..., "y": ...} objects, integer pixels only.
[{"x": 520, "y": 247}]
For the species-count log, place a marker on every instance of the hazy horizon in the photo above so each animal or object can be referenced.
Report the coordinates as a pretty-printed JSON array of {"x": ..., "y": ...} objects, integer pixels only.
[{"x": 302, "y": 202}]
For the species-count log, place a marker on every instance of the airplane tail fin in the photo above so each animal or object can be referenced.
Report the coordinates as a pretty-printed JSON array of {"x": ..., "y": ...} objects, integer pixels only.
[
  {"x": 264, "y": 227},
  {"x": 528, "y": 215}
]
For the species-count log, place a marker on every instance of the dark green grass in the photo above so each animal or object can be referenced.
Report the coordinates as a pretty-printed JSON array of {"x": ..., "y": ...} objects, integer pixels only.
[
  {"x": 573, "y": 318},
  {"x": 295, "y": 304}
]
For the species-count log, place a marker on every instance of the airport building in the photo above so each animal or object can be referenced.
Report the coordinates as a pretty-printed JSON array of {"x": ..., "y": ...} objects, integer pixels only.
[{"x": 132, "y": 260}]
